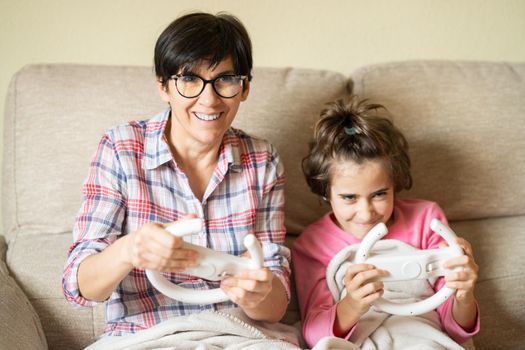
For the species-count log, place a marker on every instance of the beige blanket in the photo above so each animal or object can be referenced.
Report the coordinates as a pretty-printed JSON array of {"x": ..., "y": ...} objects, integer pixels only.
[
  {"x": 396, "y": 332},
  {"x": 208, "y": 330}
]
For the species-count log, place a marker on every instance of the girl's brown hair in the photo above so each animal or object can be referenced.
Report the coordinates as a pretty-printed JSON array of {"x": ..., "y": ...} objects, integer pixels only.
[{"x": 356, "y": 130}]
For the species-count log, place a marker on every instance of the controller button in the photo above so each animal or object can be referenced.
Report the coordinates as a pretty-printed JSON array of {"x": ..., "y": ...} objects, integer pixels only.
[
  {"x": 431, "y": 267},
  {"x": 411, "y": 269}
]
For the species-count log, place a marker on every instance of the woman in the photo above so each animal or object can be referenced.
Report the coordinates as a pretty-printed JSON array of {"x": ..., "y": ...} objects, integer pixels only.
[{"x": 187, "y": 161}]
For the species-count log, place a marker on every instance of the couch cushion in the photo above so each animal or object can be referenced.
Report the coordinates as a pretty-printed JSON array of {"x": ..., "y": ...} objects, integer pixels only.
[
  {"x": 20, "y": 326},
  {"x": 67, "y": 328},
  {"x": 498, "y": 246},
  {"x": 36, "y": 262},
  {"x": 56, "y": 115},
  {"x": 282, "y": 108},
  {"x": 465, "y": 123}
]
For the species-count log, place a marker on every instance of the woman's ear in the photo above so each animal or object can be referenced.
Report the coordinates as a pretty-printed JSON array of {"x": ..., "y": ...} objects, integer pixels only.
[
  {"x": 163, "y": 91},
  {"x": 245, "y": 90}
]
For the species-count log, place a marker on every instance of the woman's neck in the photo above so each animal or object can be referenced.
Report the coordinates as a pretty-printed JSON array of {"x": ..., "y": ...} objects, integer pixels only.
[{"x": 196, "y": 160}]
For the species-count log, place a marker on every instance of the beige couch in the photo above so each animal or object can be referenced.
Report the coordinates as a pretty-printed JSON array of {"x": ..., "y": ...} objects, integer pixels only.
[{"x": 465, "y": 123}]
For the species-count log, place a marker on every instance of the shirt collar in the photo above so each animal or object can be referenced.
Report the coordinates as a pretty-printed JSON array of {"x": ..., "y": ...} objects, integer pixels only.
[
  {"x": 230, "y": 150},
  {"x": 157, "y": 152}
]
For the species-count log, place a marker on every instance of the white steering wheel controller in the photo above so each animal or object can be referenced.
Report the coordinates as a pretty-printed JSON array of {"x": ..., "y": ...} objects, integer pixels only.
[
  {"x": 213, "y": 266},
  {"x": 421, "y": 264}
]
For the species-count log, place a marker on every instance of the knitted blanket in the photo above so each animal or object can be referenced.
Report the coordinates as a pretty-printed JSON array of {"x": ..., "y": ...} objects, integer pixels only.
[{"x": 208, "y": 330}]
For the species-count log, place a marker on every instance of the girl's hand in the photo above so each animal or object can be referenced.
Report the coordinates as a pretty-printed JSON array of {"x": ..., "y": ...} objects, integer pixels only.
[
  {"x": 152, "y": 247},
  {"x": 363, "y": 287},
  {"x": 464, "y": 281},
  {"x": 249, "y": 288}
]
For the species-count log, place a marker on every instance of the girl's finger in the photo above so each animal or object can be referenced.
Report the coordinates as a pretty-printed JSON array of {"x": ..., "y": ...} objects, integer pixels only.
[
  {"x": 370, "y": 288},
  {"x": 459, "y": 261},
  {"x": 365, "y": 277},
  {"x": 461, "y": 285},
  {"x": 358, "y": 268}
]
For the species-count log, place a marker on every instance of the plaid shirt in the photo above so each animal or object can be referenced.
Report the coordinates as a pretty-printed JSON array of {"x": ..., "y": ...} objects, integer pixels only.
[{"x": 133, "y": 179}]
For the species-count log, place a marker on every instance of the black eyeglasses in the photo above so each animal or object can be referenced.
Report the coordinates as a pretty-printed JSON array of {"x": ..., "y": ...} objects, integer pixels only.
[{"x": 226, "y": 86}]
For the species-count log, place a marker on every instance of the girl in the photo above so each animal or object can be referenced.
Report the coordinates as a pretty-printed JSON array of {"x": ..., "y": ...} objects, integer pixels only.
[{"x": 358, "y": 161}]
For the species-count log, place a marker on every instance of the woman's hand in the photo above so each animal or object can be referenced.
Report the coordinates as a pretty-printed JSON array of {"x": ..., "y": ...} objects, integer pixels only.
[
  {"x": 152, "y": 247},
  {"x": 249, "y": 288},
  {"x": 362, "y": 287},
  {"x": 463, "y": 281}
]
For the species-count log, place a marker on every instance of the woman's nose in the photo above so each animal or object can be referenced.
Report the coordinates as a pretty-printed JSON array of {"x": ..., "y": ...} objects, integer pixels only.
[{"x": 209, "y": 97}]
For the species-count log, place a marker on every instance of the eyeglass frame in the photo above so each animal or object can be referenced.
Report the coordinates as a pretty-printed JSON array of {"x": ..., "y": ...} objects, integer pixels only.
[{"x": 208, "y": 81}]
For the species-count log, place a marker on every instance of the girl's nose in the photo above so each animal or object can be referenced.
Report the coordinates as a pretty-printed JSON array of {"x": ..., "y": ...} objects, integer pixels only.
[{"x": 366, "y": 211}]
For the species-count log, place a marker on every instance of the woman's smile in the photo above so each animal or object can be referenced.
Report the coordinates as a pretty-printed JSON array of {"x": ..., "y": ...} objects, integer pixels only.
[{"x": 207, "y": 117}]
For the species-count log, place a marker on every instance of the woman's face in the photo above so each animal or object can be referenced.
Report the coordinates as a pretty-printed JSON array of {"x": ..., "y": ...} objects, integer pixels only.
[
  {"x": 203, "y": 119},
  {"x": 361, "y": 195}
]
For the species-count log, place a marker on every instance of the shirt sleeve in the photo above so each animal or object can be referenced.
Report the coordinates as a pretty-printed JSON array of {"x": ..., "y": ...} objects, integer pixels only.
[
  {"x": 270, "y": 229},
  {"x": 100, "y": 218},
  {"x": 448, "y": 323},
  {"x": 318, "y": 309}
]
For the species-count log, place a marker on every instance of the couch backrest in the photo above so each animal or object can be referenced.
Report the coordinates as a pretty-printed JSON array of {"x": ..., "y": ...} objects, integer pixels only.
[
  {"x": 56, "y": 114},
  {"x": 460, "y": 119}
]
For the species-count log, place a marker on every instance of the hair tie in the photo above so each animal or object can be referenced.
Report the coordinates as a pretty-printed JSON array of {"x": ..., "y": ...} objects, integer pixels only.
[{"x": 351, "y": 131}]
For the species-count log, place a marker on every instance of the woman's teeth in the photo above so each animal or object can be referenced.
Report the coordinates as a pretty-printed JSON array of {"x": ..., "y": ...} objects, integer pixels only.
[{"x": 207, "y": 117}]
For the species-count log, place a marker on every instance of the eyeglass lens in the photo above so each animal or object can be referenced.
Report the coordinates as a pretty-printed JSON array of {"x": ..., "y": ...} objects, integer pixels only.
[{"x": 226, "y": 86}]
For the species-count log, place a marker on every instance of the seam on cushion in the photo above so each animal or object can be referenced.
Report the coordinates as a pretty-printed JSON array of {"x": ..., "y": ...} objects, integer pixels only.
[
  {"x": 363, "y": 83},
  {"x": 15, "y": 187},
  {"x": 12, "y": 235},
  {"x": 16, "y": 225},
  {"x": 360, "y": 85},
  {"x": 433, "y": 64},
  {"x": 498, "y": 278},
  {"x": 41, "y": 298},
  {"x": 93, "y": 322}
]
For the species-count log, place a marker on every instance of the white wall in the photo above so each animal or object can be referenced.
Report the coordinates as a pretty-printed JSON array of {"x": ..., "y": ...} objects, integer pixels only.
[{"x": 338, "y": 35}]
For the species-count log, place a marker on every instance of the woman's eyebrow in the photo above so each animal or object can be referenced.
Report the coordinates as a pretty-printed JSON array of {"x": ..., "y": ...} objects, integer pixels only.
[
  {"x": 226, "y": 72},
  {"x": 191, "y": 72}
]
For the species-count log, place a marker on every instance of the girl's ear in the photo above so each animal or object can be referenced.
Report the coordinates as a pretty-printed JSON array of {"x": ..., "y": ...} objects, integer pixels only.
[{"x": 163, "y": 91}]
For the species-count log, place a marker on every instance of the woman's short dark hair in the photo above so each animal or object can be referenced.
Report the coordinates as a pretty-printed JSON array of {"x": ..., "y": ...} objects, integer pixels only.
[
  {"x": 355, "y": 130},
  {"x": 202, "y": 37}
]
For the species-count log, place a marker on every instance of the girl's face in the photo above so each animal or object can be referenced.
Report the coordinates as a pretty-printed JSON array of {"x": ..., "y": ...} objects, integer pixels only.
[{"x": 361, "y": 195}]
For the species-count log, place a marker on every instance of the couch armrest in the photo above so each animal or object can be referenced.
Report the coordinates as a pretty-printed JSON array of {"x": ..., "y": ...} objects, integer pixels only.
[{"x": 20, "y": 326}]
